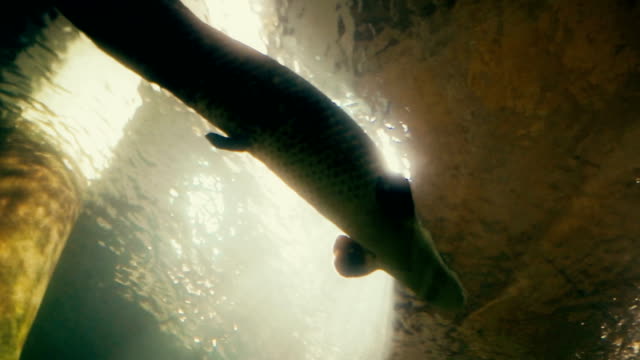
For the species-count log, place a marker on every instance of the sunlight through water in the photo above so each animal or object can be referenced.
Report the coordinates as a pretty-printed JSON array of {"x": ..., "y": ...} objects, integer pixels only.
[
  {"x": 352, "y": 317},
  {"x": 93, "y": 99},
  {"x": 225, "y": 255}
]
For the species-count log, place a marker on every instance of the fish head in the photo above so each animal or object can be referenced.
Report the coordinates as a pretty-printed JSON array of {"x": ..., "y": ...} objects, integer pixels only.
[{"x": 396, "y": 242}]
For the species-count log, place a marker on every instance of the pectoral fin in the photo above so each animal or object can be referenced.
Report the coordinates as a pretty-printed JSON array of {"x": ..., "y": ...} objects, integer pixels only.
[
  {"x": 228, "y": 143},
  {"x": 393, "y": 194},
  {"x": 352, "y": 259}
]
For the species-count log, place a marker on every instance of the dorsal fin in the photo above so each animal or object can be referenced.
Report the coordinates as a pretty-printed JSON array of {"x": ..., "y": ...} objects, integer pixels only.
[{"x": 393, "y": 194}]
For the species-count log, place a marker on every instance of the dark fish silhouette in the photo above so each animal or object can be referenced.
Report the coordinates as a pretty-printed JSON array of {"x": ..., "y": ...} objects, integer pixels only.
[{"x": 299, "y": 133}]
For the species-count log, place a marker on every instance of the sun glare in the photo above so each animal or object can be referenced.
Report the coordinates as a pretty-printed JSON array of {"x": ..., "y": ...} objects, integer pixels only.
[{"x": 93, "y": 99}]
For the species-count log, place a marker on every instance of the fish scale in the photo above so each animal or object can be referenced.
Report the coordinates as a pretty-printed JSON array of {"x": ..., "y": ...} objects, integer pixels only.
[{"x": 289, "y": 125}]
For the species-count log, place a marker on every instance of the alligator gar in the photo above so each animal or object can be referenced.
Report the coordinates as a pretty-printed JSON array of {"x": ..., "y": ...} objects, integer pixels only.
[{"x": 281, "y": 119}]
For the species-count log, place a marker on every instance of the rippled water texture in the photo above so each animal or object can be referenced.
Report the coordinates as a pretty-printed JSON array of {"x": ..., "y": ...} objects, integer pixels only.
[
  {"x": 223, "y": 255},
  {"x": 516, "y": 121}
]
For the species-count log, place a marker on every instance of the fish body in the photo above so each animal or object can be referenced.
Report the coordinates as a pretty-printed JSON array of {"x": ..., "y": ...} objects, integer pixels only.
[{"x": 281, "y": 119}]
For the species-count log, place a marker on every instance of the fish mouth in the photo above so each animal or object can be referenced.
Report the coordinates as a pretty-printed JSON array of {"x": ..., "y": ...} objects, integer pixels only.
[{"x": 446, "y": 293}]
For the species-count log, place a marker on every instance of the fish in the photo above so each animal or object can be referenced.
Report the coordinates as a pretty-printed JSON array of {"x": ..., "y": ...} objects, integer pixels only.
[{"x": 265, "y": 109}]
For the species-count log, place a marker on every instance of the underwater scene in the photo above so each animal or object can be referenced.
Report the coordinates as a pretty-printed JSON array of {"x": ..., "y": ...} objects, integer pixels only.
[{"x": 128, "y": 233}]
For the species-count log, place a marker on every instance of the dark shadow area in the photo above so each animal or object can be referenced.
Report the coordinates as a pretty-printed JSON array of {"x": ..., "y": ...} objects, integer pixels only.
[{"x": 84, "y": 315}]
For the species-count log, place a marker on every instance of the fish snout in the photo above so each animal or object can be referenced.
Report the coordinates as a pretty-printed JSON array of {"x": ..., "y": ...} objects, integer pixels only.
[{"x": 445, "y": 291}]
